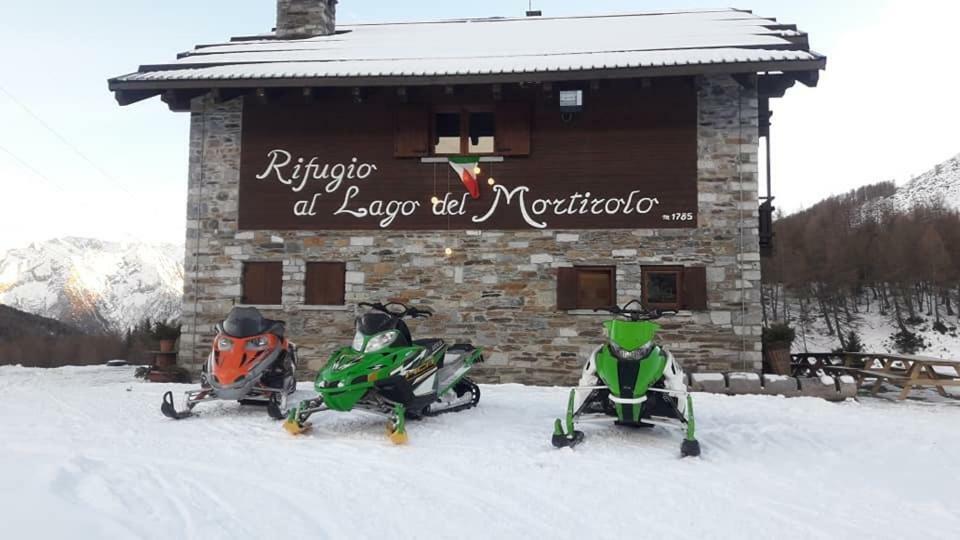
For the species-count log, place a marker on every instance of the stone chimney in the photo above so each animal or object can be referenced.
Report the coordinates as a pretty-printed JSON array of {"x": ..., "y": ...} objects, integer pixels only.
[{"x": 306, "y": 18}]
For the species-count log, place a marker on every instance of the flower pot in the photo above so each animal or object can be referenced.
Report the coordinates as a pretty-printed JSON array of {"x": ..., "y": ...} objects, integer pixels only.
[
  {"x": 778, "y": 358},
  {"x": 165, "y": 360}
]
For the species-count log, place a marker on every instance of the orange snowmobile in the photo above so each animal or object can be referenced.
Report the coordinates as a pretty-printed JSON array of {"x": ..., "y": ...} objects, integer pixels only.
[{"x": 251, "y": 362}]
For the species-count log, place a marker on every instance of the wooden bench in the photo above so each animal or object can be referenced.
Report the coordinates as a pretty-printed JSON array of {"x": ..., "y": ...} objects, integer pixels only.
[
  {"x": 905, "y": 371},
  {"x": 912, "y": 371}
]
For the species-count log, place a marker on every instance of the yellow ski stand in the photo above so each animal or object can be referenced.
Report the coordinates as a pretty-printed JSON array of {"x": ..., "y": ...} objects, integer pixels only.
[
  {"x": 295, "y": 428},
  {"x": 395, "y": 429}
]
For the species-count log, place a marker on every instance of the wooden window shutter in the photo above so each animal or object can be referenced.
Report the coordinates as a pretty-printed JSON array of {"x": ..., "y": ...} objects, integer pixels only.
[
  {"x": 411, "y": 130},
  {"x": 694, "y": 288},
  {"x": 596, "y": 286},
  {"x": 325, "y": 283},
  {"x": 566, "y": 288},
  {"x": 262, "y": 283},
  {"x": 512, "y": 129}
]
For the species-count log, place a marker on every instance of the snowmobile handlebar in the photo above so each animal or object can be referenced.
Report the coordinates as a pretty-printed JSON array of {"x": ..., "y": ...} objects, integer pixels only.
[
  {"x": 408, "y": 311},
  {"x": 641, "y": 314}
]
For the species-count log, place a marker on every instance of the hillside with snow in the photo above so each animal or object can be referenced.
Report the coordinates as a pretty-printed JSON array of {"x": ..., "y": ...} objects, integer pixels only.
[
  {"x": 940, "y": 184},
  {"x": 94, "y": 285},
  {"x": 876, "y": 333}
]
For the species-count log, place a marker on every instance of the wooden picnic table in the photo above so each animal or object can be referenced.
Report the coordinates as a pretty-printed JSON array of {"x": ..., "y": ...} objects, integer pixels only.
[{"x": 905, "y": 371}]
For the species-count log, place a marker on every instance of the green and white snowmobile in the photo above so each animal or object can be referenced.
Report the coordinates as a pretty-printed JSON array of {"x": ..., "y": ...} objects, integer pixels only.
[
  {"x": 387, "y": 373},
  {"x": 631, "y": 378}
]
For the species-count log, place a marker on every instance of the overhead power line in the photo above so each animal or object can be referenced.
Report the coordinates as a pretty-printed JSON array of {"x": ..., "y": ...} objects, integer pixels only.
[
  {"x": 30, "y": 168},
  {"x": 68, "y": 144}
]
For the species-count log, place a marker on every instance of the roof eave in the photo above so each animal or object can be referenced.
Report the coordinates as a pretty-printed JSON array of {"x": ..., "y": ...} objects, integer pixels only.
[{"x": 815, "y": 65}]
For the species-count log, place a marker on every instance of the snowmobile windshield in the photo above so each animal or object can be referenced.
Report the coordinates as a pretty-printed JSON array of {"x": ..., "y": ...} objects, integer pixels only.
[
  {"x": 245, "y": 322},
  {"x": 631, "y": 335},
  {"x": 369, "y": 324},
  {"x": 373, "y": 323}
]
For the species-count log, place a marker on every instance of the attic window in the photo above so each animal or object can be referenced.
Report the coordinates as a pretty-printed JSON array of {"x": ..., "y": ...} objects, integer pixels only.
[
  {"x": 463, "y": 131},
  {"x": 502, "y": 129}
]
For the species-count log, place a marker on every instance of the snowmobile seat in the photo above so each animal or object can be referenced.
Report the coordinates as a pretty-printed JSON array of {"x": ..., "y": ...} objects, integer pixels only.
[{"x": 431, "y": 345}]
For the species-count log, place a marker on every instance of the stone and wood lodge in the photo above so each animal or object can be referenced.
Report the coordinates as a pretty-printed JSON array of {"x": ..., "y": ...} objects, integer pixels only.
[{"x": 511, "y": 174}]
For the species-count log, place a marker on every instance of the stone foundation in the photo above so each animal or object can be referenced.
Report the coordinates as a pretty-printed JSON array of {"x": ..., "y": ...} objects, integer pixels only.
[{"x": 498, "y": 289}]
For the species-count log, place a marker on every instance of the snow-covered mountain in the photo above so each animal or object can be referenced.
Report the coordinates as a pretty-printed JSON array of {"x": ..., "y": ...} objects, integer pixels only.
[
  {"x": 92, "y": 284},
  {"x": 940, "y": 184}
]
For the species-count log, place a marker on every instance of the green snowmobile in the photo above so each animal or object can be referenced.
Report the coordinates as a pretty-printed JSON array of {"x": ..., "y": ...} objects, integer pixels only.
[
  {"x": 387, "y": 373},
  {"x": 632, "y": 379}
]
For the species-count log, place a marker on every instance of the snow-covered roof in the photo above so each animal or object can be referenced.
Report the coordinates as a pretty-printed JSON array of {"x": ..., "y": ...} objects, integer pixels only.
[{"x": 528, "y": 48}]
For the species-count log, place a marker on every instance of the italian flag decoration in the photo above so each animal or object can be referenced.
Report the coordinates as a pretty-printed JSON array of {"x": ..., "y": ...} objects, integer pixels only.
[{"x": 465, "y": 169}]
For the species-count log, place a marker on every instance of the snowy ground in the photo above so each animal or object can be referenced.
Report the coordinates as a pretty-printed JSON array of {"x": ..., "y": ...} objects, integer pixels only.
[{"x": 85, "y": 453}]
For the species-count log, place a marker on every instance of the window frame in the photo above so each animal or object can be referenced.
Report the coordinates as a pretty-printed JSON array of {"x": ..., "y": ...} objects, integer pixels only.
[
  {"x": 646, "y": 271},
  {"x": 340, "y": 266},
  {"x": 267, "y": 299},
  {"x": 464, "y": 111},
  {"x": 611, "y": 271}
]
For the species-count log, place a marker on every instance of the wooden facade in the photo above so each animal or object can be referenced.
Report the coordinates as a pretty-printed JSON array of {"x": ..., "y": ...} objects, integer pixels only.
[{"x": 629, "y": 160}]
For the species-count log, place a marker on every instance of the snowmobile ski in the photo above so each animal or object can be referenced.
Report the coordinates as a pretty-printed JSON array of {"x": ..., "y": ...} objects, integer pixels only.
[{"x": 170, "y": 411}]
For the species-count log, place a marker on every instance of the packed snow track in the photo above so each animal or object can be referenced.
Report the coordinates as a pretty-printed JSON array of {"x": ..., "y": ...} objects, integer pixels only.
[{"x": 85, "y": 453}]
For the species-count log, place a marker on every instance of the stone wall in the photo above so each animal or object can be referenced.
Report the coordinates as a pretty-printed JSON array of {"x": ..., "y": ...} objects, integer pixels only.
[
  {"x": 305, "y": 18},
  {"x": 498, "y": 289}
]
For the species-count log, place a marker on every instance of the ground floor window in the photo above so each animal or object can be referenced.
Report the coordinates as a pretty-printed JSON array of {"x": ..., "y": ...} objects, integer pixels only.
[
  {"x": 262, "y": 283},
  {"x": 674, "y": 288},
  {"x": 325, "y": 283},
  {"x": 662, "y": 286},
  {"x": 586, "y": 287}
]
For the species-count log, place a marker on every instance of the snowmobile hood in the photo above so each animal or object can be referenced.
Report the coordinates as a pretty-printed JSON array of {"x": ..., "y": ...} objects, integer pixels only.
[
  {"x": 348, "y": 374},
  {"x": 631, "y": 335},
  {"x": 349, "y": 367}
]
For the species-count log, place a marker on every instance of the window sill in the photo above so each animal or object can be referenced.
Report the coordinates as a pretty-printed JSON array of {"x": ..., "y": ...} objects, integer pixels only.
[
  {"x": 262, "y": 306},
  {"x": 446, "y": 157},
  {"x": 325, "y": 308}
]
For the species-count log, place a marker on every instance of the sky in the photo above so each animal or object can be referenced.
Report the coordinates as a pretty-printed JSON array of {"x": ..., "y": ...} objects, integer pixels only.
[{"x": 73, "y": 162}]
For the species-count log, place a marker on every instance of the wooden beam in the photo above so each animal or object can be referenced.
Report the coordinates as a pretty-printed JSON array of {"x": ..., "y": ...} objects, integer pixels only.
[
  {"x": 223, "y": 95},
  {"x": 179, "y": 100},
  {"x": 808, "y": 78},
  {"x": 775, "y": 86},
  {"x": 547, "y": 88},
  {"x": 747, "y": 80},
  {"x": 129, "y": 97},
  {"x": 497, "y": 92}
]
